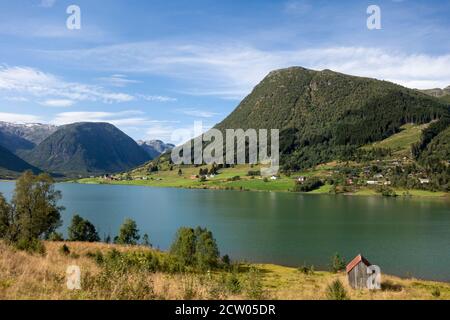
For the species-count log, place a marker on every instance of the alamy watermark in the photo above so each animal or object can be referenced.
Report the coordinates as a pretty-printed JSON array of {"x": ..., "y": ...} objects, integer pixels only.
[
  {"x": 73, "y": 275},
  {"x": 73, "y": 22},
  {"x": 249, "y": 146}
]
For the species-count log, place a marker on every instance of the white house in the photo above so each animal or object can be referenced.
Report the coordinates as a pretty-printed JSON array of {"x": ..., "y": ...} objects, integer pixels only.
[{"x": 424, "y": 181}]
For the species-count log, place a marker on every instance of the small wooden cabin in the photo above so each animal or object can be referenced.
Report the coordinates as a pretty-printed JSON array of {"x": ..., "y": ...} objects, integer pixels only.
[{"x": 357, "y": 272}]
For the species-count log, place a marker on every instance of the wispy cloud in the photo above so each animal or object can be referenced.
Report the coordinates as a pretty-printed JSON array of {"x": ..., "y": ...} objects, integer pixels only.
[
  {"x": 30, "y": 81},
  {"x": 19, "y": 117},
  {"x": 231, "y": 70},
  {"x": 61, "y": 103},
  {"x": 117, "y": 80},
  {"x": 197, "y": 113}
]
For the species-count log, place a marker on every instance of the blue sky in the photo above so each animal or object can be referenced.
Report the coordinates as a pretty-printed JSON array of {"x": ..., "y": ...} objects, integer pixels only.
[{"x": 151, "y": 67}]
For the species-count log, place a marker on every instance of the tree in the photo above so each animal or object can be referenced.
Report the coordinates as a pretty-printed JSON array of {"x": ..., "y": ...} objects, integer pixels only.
[
  {"x": 35, "y": 212},
  {"x": 183, "y": 247},
  {"x": 146, "y": 240},
  {"x": 206, "y": 250},
  {"x": 337, "y": 263},
  {"x": 5, "y": 217},
  {"x": 128, "y": 233},
  {"x": 196, "y": 248},
  {"x": 82, "y": 230}
]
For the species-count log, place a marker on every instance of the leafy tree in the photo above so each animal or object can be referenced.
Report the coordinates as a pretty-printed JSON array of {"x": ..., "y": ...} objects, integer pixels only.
[
  {"x": 35, "y": 213},
  {"x": 82, "y": 230},
  {"x": 128, "y": 233},
  {"x": 146, "y": 240},
  {"x": 183, "y": 247},
  {"x": 206, "y": 250},
  {"x": 196, "y": 248},
  {"x": 56, "y": 236},
  {"x": 5, "y": 217}
]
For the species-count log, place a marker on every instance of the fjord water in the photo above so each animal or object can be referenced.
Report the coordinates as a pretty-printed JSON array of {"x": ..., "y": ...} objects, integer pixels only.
[{"x": 405, "y": 237}]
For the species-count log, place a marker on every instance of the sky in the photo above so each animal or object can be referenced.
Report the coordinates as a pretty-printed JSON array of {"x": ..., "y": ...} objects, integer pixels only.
[{"x": 153, "y": 67}]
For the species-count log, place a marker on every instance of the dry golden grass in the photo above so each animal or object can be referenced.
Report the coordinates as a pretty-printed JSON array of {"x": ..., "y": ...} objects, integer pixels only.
[{"x": 27, "y": 276}]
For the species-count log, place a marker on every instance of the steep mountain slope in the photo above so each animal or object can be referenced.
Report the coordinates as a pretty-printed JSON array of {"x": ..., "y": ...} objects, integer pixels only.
[
  {"x": 87, "y": 148},
  {"x": 323, "y": 115},
  {"x": 155, "y": 148},
  {"x": 11, "y": 165},
  {"x": 14, "y": 143},
  {"x": 32, "y": 132}
]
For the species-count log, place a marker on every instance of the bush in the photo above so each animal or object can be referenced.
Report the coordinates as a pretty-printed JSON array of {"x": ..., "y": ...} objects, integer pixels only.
[
  {"x": 233, "y": 284},
  {"x": 31, "y": 246},
  {"x": 306, "y": 270},
  {"x": 56, "y": 237},
  {"x": 336, "y": 291},
  {"x": 337, "y": 263},
  {"x": 436, "y": 292},
  {"x": 254, "y": 173},
  {"x": 64, "y": 250},
  {"x": 310, "y": 185},
  {"x": 254, "y": 285}
]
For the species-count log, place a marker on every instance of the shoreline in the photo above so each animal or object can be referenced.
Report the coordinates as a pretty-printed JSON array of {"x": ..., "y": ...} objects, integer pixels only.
[{"x": 365, "y": 192}]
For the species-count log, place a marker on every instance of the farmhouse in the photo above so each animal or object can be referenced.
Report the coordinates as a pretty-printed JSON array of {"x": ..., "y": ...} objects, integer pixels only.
[
  {"x": 357, "y": 272},
  {"x": 424, "y": 181}
]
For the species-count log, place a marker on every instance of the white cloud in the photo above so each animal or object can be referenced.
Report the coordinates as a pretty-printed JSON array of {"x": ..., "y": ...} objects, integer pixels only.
[
  {"x": 122, "y": 118},
  {"x": 19, "y": 118},
  {"x": 231, "y": 70},
  {"x": 58, "y": 103},
  {"x": 117, "y": 80},
  {"x": 297, "y": 7},
  {"x": 198, "y": 113},
  {"x": 29, "y": 81}
]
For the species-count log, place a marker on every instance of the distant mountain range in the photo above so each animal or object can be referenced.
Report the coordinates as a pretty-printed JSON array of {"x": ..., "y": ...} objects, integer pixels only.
[
  {"x": 322, "y": 115},
  {"x": 34, "y": 133},
  {"x": 154, "y": 148},
  {"x": 72, "y": 150}
]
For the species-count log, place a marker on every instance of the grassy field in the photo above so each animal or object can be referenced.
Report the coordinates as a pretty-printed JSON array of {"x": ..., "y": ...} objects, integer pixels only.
[
  {"x": 27, "y": 276},
  {"x": 224, "y": 181},
  {"x": 401, "y": 142}
]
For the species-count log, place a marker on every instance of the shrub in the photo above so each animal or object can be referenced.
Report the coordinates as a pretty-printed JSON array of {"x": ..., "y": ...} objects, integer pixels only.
[
  {"x": 64, "y": 250},
  {"x": 306, "y": 270},
  {"x": 254, "y": 173},
  {"x": 436, "y": 292},
  {"x": 56, "y": 237},
  {"x": 254, "y": 285},
  {"x": 336, "y": 291},
  {"x": 310, "y": 185},
  {"x": 337, "y": 263},
  {"x": 31, "y": 246},
  {"x": 233, "y": 284}
]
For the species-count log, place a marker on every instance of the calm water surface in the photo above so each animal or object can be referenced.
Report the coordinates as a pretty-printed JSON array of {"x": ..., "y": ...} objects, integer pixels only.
[{"x": 405, "y": 237}]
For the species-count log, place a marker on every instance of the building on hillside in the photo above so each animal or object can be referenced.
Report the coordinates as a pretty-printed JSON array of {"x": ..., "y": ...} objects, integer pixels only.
[
  {"x": 357, "y": 272},
  {"x": 301, "y": 179},
  {"x": 424, "y": 181}
]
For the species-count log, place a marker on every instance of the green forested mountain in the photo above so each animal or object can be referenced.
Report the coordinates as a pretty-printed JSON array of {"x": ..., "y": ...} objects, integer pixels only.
[
  {"x": 86, "y": 148},
  {"x": 11, "y": 165},
  {"x": 324, "y": 115}
]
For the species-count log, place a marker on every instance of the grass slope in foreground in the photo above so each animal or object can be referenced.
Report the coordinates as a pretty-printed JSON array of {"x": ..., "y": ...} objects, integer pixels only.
[{"x": 26, "y": 276}]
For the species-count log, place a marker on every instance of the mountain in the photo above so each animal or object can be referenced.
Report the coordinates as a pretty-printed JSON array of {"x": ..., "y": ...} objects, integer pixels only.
[
  {"x": 85, "y": 149},
  {"x": 11, "y": 165},
  {"x": 14, "y": 143},
  {"x": 324, "y": 115},
  {"x": 442, "y": 94},
  {"x": 155, "y": 148},
  {"x": 32, "y": 132}
]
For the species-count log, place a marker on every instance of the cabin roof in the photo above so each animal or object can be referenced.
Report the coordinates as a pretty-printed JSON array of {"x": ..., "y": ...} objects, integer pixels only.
[{"x": 356, "y": 261}]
